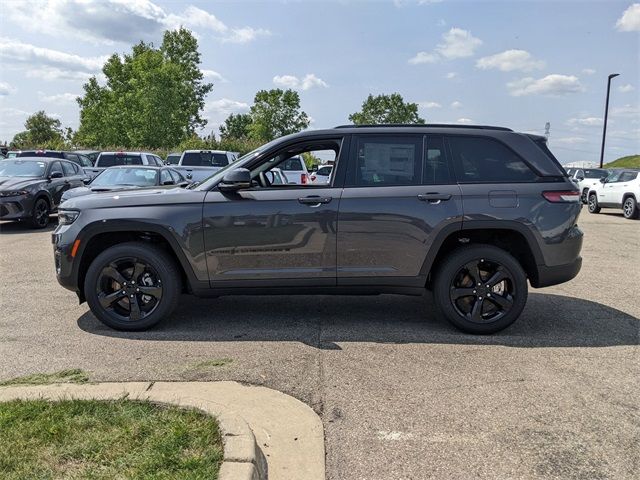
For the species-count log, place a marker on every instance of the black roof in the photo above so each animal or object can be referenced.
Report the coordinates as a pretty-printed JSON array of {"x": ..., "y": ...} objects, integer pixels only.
[{"x": 428, "y": 125}]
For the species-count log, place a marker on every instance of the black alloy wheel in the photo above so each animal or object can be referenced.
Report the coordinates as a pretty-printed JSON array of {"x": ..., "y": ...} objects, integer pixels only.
[{"x": 40, "y": 216}]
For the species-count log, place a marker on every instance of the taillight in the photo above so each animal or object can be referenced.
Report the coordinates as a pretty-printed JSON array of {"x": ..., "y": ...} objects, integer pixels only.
[
  {"x": 562, "y": 196},
  {"x": 304, "y": 179}
]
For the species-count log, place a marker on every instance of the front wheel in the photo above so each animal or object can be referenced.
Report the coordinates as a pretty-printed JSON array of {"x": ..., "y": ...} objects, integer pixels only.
[
  {"x": 132, "y": 286},
  {"x": 593, "y": 203},
  {"x": 630, "y": 208},
  {"x": 583, "y": 196},
  {"x": 480, "y": 289},
  {"x": 40, "y": 215}
]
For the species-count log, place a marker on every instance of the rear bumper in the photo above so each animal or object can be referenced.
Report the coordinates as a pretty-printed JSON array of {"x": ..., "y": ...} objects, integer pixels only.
[{"x": 548, "y": 276}]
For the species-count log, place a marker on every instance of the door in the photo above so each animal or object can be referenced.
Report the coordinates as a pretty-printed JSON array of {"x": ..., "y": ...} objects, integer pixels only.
[
  {"x": 57, "y": 186},
  {"x": 399, "y": 192},
  {"x": 611, "y": 186},
  {"x": 273, "y": 234},
  {"x": 73, "y": 175}
]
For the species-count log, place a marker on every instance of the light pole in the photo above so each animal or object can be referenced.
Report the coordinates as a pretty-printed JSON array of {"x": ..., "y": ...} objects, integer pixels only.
[{"x": 606, "y": 114}]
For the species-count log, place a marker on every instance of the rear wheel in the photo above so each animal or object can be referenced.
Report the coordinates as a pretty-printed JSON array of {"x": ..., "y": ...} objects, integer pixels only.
[
  {"x": 132, "y": 286},
  {"x": 630, "y": 208},
  {"x": 481, "y": 289},
  {"x": 583, "y": 196},
  {"x": 40, "y": 216},
  {"x": 593, "y": 203}
]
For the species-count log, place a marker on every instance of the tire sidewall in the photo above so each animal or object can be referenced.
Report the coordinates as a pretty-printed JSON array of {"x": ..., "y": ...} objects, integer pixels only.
[
  {"x": 634, "y": 208},
  {"x": 453, "y": 264},
  {"x": 153, "y": 256},
  {"x": 34, "y": 215},
  {"x": 595, "y": 208}
]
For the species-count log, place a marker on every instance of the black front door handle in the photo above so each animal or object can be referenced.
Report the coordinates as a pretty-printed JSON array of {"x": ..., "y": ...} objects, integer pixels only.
[
  {"x": 314, "y": 200},
  {"x": 434, "y": 197}
]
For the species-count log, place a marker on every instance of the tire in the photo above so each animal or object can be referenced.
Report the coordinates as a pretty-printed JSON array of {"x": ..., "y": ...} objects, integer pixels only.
[
  {"x": 593, "y": 203},
  {"x": 584, "y": 195},
  {"x": 133, "y": 270},
  {"x": 40, "y": 215},
  {"x": 630, "y": 208},
  {"x": 457, "y": 290}
]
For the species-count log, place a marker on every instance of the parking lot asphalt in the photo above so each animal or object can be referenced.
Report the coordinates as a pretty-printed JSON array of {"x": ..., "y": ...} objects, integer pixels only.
[{"x": 402, "y": 395}]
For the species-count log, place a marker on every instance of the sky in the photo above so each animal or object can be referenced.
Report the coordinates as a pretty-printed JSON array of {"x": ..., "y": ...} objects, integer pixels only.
[{"x": 518, "y": 64}]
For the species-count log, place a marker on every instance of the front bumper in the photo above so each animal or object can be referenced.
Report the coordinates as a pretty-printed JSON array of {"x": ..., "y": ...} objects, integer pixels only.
[
  {"x": 62, "y": 239},
  {"x": 16, "y": 208}
]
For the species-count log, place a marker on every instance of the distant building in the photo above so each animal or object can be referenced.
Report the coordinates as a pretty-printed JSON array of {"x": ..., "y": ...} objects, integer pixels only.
[{"x": 580, "y": 165}]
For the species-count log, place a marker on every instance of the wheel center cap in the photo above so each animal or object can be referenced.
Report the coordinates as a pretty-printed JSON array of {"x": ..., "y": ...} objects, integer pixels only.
[{"x": 482, "y": 291}]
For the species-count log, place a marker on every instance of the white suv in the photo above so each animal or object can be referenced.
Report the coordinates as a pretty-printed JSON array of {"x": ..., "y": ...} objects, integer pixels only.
[
  {"x": 621, "y": 189},
  {"x": 586, "y": 179}
]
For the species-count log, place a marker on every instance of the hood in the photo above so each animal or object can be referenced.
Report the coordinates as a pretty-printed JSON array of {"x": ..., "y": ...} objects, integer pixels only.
[
  {"x": 79, "y": 191},
  {"x": 169, "y": 195},
  {"x": 16, "y": 183}
]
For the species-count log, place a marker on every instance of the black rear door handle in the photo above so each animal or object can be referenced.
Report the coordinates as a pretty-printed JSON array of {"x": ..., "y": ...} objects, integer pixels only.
[
  {"x": 314, "y": 200},
  {"x": 434, "y": 197}
]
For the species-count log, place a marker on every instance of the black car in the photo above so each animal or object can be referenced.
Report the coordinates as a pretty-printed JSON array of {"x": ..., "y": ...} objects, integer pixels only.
[
  {"x": 74, "y": 157},
  {"x": 173, "y": 158},
  {"x": 90, "y": 154},
  {"x": 127, "y": 177},
  {"x": 32, "y": 188},
  {"x": 472, "y": 213}
]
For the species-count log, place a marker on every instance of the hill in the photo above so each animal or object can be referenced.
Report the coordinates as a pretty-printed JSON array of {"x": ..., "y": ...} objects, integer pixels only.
[{"x": 630, "y": 161}]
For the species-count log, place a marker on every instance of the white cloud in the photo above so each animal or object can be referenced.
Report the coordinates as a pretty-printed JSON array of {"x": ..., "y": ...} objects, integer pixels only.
[
  {"x": 456, "y": 43},
  {"x": 430, "y": 105},
  {"x": 456, "y": 104},
  {"x": 553, "y": 85},
  {"x": 510, "y": 60},
  {"x": 585, "y": 122},
  {"x": 424, "y": 57},
  {"x": 13, "y": 112},
  {"x": 464, "y": 120},
  {"x": 226, "y": 106},
  {"x": 626, "y": 111},
  {"x": 630, "y": 19},
  {"x": 59, "y": 98},
  {"x": 309, "y": 81},
  {"x": 626, "y": 88},
  {"x": 48, "y": 74},
  {"x": 569, "y": 140},
  {"x": 212, "y": 74},
  {"x": 588, "y": 71},
  {"x": 451, "y": 75},
  {"x": 126, "y": 21},
  {"x": 6, "y": 89}
]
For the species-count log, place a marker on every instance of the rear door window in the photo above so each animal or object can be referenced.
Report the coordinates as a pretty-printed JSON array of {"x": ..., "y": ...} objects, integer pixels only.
[
  {"x": 484, "y": 160},
  {"x": 436, "y": 168},
  {"x": 386, "y": 161},
  {"x": 56, "y": 167},
  {"x": 69, "y": 171}
]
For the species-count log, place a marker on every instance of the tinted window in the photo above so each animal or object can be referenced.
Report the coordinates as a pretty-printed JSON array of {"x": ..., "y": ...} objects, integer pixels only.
[
  {"x": 204, "y": 159},
  {"x": 387, "y": 161},
  {"x": 177, "y": 178},
  {"x": 69, "y": 171},
  {"x": 293, "y": 164},
  {"x": 595, "y": 173},
  {"x": 165, "y": 177},
  {"x": 628, "y": 176},
  {"x": 436, "y": 170},
  {"x": 56, "y": 167},
  {"x": 109, "y": 160},
  {"x": 324, "y": 171},
  {"x": 485, "y": 160},
  {"x": 173, "y": 159},
  {"x": 85, "y": 161}
]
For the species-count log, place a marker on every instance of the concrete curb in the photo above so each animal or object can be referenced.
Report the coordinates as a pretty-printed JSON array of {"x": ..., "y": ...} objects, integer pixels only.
[{"x": 289, "y": 430}]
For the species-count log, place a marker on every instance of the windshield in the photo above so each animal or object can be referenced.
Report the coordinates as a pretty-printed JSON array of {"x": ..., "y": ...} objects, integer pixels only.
[
  {"x": 209, "y": 182},
  {"x": 595, "y": 173},
  {"x": 22, "y": 168},
  {"x": 204, "y": 159},
  {"x": 173, "y": 159},
  {"x": 138, "y": 177}
]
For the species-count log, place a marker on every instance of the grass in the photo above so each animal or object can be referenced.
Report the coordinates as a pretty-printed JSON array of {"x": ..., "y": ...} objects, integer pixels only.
[
  {"x": 64, "y": 376},
  {"x": 105, "y": 440},
  {"x": 630, "y": 161},
  {"x": 221, "y": 362}
]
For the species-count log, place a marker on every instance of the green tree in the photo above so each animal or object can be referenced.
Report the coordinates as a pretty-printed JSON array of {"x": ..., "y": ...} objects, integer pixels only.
[
  {"x": 275, "y": 113},
  {"x": 152, "y": 97},
  {"x": 236, "y": 126},
  {"x": 41, "y": 130},
  {"x": 386, "y": 109}
]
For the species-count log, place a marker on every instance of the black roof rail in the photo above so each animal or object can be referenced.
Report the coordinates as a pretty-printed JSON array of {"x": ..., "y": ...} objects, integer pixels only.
[{"x": 428, "y": 125}]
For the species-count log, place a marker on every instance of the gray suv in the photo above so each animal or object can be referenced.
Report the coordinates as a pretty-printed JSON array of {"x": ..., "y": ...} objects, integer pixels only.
[{"x": 473, "y": 214}]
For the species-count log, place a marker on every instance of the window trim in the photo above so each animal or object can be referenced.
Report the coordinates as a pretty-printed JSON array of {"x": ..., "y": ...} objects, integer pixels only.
[
  {"x": 458, "y": 171},
  {"x": 447, "y": 159}
]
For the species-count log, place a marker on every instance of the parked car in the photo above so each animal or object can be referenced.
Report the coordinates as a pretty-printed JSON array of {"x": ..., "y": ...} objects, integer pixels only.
[
  {"x": 173, "y": 158},
  {"x": 322, "y": 175},
  {"x": 13, "y": 153},
  {"x": 111, "y": 159},
  {"x": 621, "y": 190},
  {"x": 296, "y": 170},
  {"x": 586, "y": 178},
  {"x": 469, "y": 212},
  {"x": 74, "y": 157},
  {"x": 128, "y": 178},
  {"x": 197, "y": 165},
  {"x": 90, "y": 154},
  {"x": 32, "y": 188}
]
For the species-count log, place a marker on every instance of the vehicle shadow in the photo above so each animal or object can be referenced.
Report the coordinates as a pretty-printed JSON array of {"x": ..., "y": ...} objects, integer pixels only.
[
  {"x": 323, "y": 322},
  {"x": 13, "y": 228}
]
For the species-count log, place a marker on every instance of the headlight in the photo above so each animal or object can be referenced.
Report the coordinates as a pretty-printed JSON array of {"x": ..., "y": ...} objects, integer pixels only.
[
  {"x": 67, "y": 217},
  {"x": 13, "y": 194}
]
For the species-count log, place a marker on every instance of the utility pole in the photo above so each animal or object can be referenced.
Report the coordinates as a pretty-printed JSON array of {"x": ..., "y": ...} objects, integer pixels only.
[
  {"x": 606, "y": 115},
  {"x": 547, "y": 130}
]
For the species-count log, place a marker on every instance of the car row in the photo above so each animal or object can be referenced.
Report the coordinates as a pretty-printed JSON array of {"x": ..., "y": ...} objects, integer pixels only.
[{"x": 620, "y": 190}]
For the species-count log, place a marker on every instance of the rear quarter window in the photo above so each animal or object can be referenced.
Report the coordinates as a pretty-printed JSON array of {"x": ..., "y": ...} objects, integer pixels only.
[{"x": 484, "y": 160}]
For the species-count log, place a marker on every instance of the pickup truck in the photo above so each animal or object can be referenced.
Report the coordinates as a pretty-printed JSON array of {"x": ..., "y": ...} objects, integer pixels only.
[
  {"x": 111, "y": 159},
  {"x": 196, "y": 165}
]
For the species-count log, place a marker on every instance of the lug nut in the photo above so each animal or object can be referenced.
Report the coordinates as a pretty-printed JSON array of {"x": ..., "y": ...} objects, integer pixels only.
[
  {"x": 488, "y": 294},
  {"x": 131, "y": 296},
  {"x": 474, "y": 291},
  {"x": 137, "y": 289},
  {"x": 479, "y": 298}
]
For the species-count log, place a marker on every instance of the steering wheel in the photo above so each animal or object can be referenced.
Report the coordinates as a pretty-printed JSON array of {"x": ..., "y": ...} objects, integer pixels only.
[{"x": 264, "y": 180}]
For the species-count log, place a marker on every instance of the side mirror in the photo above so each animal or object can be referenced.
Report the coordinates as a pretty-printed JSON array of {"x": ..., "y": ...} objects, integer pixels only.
[
  {"x": 86, "y": 180},
  {"x": 579, "y": 178},
  {"x": 56, "y": 175},
  {"x": 603, "y": 180},
  {"x": 235, "y": 180},
  {"x": 168, "y": 182},
  {"x": 183, "y": 184}
]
